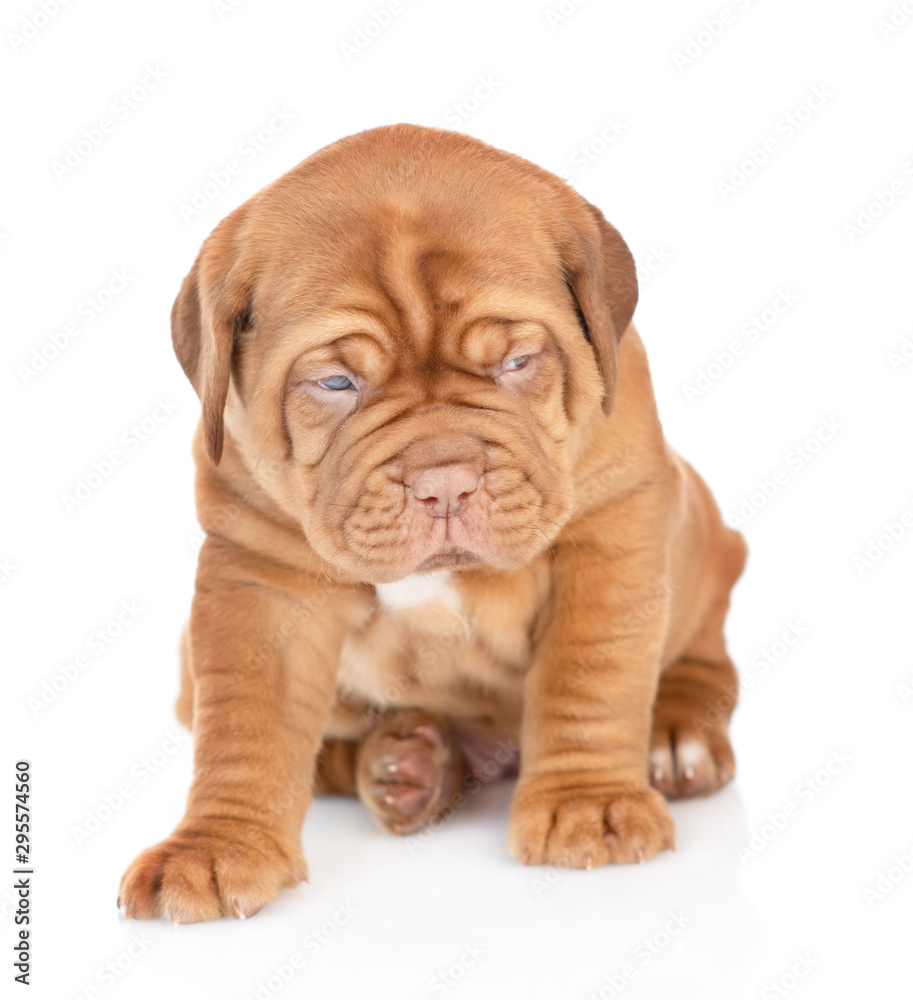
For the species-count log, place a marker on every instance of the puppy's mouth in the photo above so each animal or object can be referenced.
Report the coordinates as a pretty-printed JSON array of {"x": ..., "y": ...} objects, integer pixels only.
[{"x": 453, "y": 559}]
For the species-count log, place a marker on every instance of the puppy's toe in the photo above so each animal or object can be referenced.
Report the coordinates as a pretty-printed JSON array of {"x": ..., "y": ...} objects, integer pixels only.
[
  {"x": 661, "y": 765},
  {"x": 685, "y": 763},
  {"x": 409, "y": 769}
]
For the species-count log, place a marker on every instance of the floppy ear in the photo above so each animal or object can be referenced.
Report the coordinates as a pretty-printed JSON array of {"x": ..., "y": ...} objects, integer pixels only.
[
  {"x": 600, "y": 272},
  {"x": 212, "y": 308}
]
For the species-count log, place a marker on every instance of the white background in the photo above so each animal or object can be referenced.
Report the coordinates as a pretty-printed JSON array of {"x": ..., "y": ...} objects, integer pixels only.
[{"x": 842, "y": 693}]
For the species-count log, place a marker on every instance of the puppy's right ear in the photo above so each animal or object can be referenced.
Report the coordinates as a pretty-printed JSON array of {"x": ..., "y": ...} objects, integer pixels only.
[
  {"x": 601, "y": 275},
  {"x": 213, "y": 307}
]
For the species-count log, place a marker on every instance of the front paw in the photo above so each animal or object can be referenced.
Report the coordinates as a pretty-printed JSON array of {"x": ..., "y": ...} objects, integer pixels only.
[
  {"x": 202, "y": 873},
  {"x": 585, "y": 827}
]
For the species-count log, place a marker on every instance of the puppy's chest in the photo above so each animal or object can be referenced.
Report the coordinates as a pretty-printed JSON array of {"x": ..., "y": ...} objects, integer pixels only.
[
  {"x": 430, "y": 602},
  {"x": 444, "y": 632}
]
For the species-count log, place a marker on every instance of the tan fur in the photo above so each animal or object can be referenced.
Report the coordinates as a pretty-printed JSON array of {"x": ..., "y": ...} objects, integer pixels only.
[{"x": 581, "y": 589}]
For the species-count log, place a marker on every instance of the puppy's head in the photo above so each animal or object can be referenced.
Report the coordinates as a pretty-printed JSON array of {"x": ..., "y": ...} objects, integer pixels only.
[{"x": 408, "y": 337}]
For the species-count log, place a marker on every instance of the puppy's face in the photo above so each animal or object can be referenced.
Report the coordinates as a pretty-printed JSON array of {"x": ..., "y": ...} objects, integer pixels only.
[{"x": 418, "y": 331}]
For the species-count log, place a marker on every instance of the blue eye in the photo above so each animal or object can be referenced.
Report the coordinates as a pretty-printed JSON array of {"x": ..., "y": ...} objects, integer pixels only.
[
  {"x": 515, "y": 364},
  {"x": 336, "y": 383}
]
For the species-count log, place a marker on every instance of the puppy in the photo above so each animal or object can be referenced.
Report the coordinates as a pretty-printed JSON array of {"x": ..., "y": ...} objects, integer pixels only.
[{"x": 442, "y": 524}]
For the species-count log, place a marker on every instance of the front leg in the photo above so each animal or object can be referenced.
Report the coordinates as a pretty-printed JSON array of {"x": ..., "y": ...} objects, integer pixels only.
[
  {"x": 264, "y": 666},
  {"x": 583, "y": 797}
]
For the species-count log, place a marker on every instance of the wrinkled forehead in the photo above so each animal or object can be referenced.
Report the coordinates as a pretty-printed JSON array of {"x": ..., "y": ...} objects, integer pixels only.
[
  {"x": 401, "y": 236},
  {"x": 403, "y": 266}
]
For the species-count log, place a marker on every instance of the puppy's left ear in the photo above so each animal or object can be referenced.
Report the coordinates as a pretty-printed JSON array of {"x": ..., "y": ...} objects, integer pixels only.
[
  {"x": 212, "y": 309},
  {"x": 601, "y": 275}
]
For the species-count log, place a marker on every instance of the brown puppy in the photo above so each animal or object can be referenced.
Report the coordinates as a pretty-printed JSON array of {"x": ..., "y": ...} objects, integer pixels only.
[{"x": 442, "y": 523}]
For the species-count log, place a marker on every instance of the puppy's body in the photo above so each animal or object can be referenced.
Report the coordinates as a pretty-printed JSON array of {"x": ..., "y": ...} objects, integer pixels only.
[
  {"x": 460, "y": 643},
  {"x": 481, "y": 540}
]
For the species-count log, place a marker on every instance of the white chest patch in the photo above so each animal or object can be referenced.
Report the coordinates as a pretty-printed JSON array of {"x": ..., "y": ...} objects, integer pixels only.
[{"x": 418, "y": 589}]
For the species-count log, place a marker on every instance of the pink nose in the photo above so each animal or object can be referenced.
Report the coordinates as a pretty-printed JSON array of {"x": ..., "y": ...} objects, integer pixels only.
[{"x": 444, "y": 489}]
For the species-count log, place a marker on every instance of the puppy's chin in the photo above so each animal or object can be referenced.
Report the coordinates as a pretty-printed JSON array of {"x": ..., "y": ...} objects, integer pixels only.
[
  {"x": 453, "y": 562},
  {"x": 450, "y": 558}
]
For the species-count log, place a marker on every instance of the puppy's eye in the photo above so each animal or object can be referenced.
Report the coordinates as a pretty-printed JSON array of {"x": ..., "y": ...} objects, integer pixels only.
[
  {"x": 515, "y": 364},
  {"x": 335, "y": 383}
]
